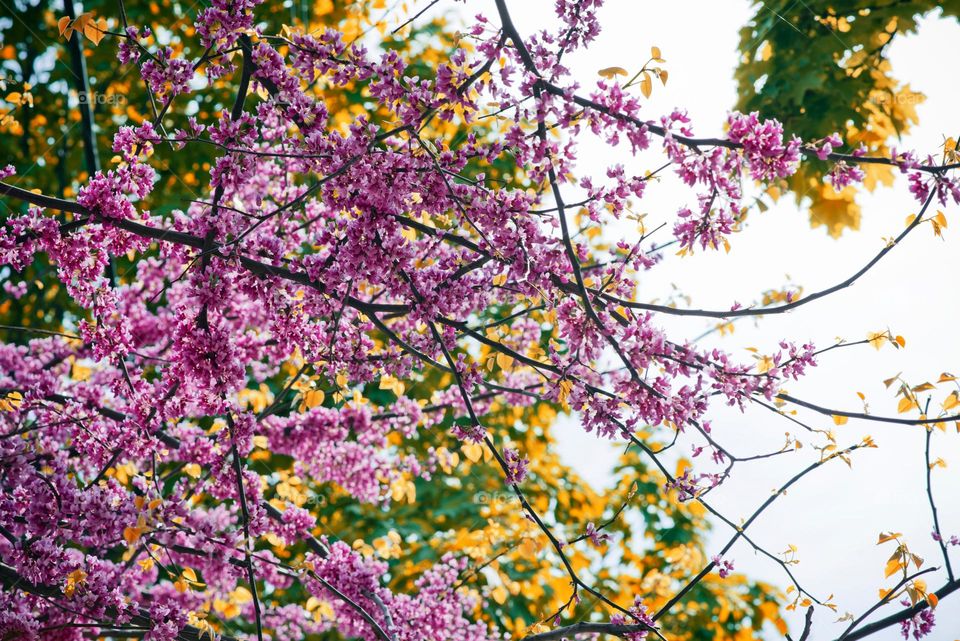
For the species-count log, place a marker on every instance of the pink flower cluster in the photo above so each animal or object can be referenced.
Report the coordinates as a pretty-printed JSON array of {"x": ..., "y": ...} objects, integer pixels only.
[
  {"x": 919, "y": 625},
  {"x": 767, "y": 155},
  {"x": 165, "y": 75},
  {"x": 724, "y": 566},
  {"x": 639, "y": 615}
]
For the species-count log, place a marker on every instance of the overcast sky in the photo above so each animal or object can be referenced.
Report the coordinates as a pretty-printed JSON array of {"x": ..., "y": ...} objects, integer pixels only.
[{"x": 834, "y": 516}]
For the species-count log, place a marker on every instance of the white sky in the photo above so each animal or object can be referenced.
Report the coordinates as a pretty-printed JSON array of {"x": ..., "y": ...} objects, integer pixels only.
[{"x": 834, "y": 515}]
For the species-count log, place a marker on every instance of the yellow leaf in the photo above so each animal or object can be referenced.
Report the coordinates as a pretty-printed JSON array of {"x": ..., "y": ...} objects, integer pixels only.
[
  {"x": 839, "y": 420},
  {"x": 241, "y": 595},
  {"x": 131, "y": 535},
  {"x": 893, "y": 566},
  {"x": 189, "y": 576},
  {"x": 566, "y": 386},
  {"x": 646, "y": 86},
  {"x": 504, "y": 361},
  {"x": 228, "y": 610},
  {"x": 946, "y": 377},
  {"x": 890, "y": 536},
  {"x": 80, "y": 373},
  {"x": 63, "y": 24},
  {"x": 876, "y": 339},
  {"x": 499, "y": 594},
  {"x": 95, "y": 30},
  {"x": 655, "y": 52},
  {"x": 313, "y": 398},
  {"x": 11, "y": 401},
  {"x": 192, "y": 469},
  {"x": 612, "y": 72},
  {"x": 905, "y": 405},
  {"x": 528, "y": 548},
  {"x": 951, "y": 401},
  {"x": 932, "y": 599},
  {"x": 75, "y": 579},
  {"x": 473, "y": 451}
]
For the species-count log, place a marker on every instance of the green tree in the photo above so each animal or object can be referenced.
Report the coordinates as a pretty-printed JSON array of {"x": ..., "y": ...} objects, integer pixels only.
[{"x": 831, "y": 59}]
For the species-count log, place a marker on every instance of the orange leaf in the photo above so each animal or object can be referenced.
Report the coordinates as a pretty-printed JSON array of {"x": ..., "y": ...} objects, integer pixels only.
[
  {"x": 612, "y": 72},
  {"x": 646, "y": 86},
  {"x": 893, "y": 566},
  {"x": 951, "y": 401}
]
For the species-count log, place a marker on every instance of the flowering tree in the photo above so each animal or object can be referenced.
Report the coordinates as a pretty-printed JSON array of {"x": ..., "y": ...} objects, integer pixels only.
[{"x": 356, "y": 311}]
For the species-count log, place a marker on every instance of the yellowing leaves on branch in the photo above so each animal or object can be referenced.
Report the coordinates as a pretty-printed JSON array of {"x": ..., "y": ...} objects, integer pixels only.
[{"x": 94, "y": 29}]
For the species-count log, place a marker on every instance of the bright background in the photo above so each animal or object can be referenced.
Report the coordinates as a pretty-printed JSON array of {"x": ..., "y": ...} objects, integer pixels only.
[{"x": 834, "y": 515}]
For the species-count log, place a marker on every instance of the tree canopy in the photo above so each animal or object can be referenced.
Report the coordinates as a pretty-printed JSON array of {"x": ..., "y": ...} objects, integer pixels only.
[
  {"x": 818, "y": 58},
  {"x": 294, "y": 294}
]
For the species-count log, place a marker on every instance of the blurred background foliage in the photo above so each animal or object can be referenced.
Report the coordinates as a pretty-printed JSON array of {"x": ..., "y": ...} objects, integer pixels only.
[{"x": 822, "y": 67}]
